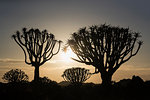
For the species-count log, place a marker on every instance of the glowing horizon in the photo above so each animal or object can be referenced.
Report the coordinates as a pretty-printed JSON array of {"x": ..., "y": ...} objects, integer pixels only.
[{"x": 54, "y": 68}]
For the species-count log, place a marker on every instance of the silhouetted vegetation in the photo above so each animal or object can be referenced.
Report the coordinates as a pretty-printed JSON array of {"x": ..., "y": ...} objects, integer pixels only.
[
  {"x": 105, "y": 47},
  {"x": 38, "y": 47},
  {"x": 126, "y": 89},
  {"x": 76, "y": 75},
  {"x": 15, "y": 75},
  {"x": 45, "y": 80}
]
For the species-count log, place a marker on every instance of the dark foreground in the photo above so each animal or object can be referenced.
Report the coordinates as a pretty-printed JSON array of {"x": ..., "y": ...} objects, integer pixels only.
[{"x": 124, "y": 90}]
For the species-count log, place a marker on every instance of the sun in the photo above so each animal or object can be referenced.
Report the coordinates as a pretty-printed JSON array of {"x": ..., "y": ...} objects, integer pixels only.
[{"x": 66, "y": 56}]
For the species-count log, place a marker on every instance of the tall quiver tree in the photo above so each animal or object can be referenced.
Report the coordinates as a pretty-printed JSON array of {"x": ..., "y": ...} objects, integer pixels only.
[
  {"x": 38, "y": 47},
  {"x": 104, "y": 47}
]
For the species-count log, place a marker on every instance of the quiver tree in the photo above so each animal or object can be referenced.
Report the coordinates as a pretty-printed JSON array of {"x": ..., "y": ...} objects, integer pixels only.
[
  {"x": 104, "y": 47},
  {"x": 38, "y": 47},
  {"x": 76, "y": 75},
  {"x": 15, "y": 75}
]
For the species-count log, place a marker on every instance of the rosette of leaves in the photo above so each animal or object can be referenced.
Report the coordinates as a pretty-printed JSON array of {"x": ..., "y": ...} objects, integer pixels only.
[{"x": 76, "y": 75}]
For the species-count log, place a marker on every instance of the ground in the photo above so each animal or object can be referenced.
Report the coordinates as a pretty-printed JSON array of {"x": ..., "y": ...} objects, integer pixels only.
[{"x": 126, "y": 89}]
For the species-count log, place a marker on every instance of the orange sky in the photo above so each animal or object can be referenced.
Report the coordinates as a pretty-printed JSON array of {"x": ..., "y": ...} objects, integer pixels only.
[{"x": 54, "y": 68}]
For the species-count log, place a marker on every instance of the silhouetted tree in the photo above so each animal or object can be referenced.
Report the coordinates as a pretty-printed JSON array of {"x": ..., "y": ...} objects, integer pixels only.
[
  {"x": 38, "y": 47},
  {"x": 15, "y": 75},
  {"x": 105, "y": 47},
  {"x": 76, "y": 75}
]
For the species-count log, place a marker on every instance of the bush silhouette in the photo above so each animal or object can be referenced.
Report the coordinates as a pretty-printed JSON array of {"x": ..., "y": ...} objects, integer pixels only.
[
  {"x": 38, "y": 47},
  {"x": 76, "y": 75},
  {"x": 15, "y": 75},
  {"x": 46, "y": 80},
  {"x": 105, "y": 47}
]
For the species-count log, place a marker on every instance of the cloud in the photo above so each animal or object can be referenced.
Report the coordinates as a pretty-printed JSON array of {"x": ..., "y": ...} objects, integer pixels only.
[
  {"x": 8, "y": 60},
  {"x": 59, "y": 61},
  {"x": 11, "y": 60},
  {"x": 52, "y": 61}
]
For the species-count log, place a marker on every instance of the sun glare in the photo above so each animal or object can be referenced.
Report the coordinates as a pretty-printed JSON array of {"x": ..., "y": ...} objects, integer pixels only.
[{"x": 66, "y": 56}]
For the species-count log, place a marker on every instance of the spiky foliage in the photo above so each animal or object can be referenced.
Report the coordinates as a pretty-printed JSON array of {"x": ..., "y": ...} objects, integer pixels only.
[
  {"x": 105, "y": 47},
  {"x": 38, "y": 47},
  {"x": 15, "y": 75},
  {"x": 76, "y": 75}
]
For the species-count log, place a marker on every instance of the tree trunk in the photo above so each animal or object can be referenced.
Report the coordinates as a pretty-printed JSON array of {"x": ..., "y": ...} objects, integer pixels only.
[
  {"x": 106, "y": 79},
  {"x": 36, "y": 74}
]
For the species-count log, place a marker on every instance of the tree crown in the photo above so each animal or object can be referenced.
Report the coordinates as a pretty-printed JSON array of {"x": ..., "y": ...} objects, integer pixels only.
[
  {"x": 105, "y": 47},
  {"x": 37, "y": 45}
]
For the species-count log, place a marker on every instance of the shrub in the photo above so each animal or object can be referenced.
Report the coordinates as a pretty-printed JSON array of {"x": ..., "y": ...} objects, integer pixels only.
[
  {"x": 15, "y": 75},
  {"x": 76, "y": 75},
  {"x": 46, "y": 80}
]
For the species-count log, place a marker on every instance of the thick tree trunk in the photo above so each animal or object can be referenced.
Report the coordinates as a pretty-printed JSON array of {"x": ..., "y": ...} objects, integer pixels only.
[
  {"x": 36, "y": 74},
  {"x": 106, "y": 79}
]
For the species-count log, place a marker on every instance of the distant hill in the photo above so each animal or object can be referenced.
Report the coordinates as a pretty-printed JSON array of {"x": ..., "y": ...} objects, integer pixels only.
[{"x": 64, "y": 83}]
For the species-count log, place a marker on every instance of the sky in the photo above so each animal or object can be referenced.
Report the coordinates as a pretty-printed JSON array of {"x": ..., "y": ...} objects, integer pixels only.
[{"x": 63, "y": 17}]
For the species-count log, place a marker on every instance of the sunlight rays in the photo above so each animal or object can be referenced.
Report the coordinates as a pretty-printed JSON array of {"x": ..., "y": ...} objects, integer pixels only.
[{"x": 66, "y": 56}]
